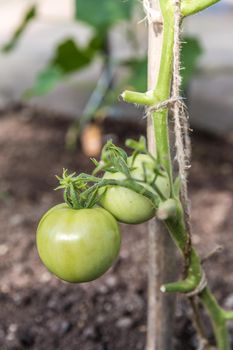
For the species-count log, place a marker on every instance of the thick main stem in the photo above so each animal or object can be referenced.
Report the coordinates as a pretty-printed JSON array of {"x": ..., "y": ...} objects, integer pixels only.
[
  {"x": 177, "y": 228},
  {"x": 162, "y": 93}
]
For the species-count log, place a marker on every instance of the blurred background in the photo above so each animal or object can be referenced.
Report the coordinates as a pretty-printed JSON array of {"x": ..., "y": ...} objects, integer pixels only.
[{"x": 62, "y": 67}]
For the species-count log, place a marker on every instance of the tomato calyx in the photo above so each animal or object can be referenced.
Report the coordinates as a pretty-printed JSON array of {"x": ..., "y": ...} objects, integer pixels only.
[
  {"x": 82, "y": 191},
  {"x": 74, "y": 190}
]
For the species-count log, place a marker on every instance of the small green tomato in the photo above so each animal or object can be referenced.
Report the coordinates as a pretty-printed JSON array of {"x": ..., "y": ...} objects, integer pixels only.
[{"x": 126, "y": 205}]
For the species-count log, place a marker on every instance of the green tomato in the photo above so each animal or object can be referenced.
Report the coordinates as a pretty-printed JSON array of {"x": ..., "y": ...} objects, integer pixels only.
[
  {"x": 126, "y": 205},
  {"x": 78, "y": 245}
]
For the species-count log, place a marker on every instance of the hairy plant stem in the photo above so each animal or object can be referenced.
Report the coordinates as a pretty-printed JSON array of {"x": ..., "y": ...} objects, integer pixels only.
[
  {"x": 162, "y": 93},
  {"x": 176, "y": 226}
]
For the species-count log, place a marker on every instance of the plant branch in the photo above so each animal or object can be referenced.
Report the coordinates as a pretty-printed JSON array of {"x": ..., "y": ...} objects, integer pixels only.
[
  {"x": 94, "y": 102},
  {"x": 189, "y": 7},
  {"x": 145, "y": 99},
  {"x": 217, "y": 317},
  {"x": 191, "y": 282}
]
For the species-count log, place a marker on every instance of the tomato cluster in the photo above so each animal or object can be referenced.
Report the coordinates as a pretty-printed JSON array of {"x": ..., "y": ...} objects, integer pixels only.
[{"x": 79, "y": 241}]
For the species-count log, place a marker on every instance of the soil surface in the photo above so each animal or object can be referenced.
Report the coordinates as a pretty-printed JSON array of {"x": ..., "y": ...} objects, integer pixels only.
[{"x": 40, "y": 312}]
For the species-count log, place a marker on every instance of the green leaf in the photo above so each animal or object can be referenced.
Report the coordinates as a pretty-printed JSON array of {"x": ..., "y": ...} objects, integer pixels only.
[
  {"x": 103, "y": 14},
  {"x": 68, "y": 58},
  {"x": 190, "y": 53},
  {"x": 29, "y": 15}
]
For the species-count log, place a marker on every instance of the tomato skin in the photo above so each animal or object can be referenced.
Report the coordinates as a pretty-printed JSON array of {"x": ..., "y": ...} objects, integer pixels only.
[
  {"x": 126, "y": 205},
  {"x": 78, "y": 245}
]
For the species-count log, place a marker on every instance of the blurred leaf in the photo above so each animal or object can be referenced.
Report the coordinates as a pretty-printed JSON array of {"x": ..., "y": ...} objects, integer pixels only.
[
  {"x": 29, "y": 15},
  {"x": 139, "y": 145},
  {"x": 45, "y": 82},
  {"x": 97, "y": 43},
  {"x": 68, "y": 58},
  {"x": 190, "y": 53},
  {"x": 104, "y": 13}
]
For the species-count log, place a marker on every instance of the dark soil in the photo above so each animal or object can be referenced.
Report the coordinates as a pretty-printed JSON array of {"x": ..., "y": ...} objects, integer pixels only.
[{"x": 41, "y": 312}]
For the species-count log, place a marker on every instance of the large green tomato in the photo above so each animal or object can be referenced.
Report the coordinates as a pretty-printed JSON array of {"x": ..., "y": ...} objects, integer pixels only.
[
  {"x": 126, "y": 205},
  {"x": 78, "y": 245}
]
